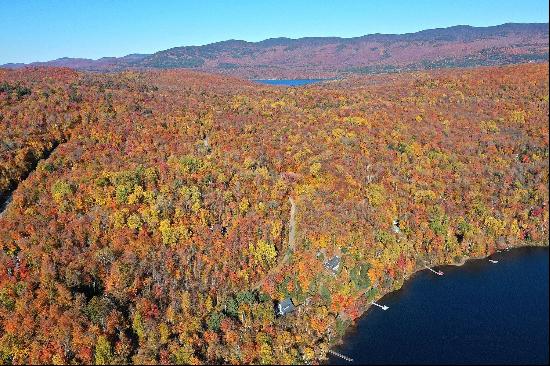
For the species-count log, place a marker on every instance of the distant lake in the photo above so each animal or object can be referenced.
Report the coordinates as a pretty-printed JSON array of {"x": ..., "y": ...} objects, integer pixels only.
[
  {"x": 289, "y": 82},
  {"x": 480, "y": 313}
]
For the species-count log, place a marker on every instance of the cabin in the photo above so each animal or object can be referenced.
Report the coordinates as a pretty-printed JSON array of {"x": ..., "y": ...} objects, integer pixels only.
[
  {"x": 333, "y": 264},
  {"x": 285, "y": 306}
]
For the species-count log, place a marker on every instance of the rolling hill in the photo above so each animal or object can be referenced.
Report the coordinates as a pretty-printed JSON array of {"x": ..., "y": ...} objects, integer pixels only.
[{"x": 160, "y": 216}]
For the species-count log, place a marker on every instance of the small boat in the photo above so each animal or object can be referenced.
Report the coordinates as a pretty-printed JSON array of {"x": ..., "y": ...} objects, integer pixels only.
[{"x": 493, "y": 261}]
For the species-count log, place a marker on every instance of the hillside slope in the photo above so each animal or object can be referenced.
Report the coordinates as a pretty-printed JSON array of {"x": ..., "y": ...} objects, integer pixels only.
[{"x": 141, "y": 237}]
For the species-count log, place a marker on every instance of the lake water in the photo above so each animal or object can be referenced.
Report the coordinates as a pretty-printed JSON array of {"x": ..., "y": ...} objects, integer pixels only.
[
  {"x": 480, "y": 313},
  {"x": 4, "y": 202},
  {"x": 289, "y": 82}
]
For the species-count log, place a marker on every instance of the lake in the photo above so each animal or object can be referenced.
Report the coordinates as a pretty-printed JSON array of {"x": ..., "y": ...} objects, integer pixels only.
[
  {"x": 4, "y": 202},
  {"x": 480, "y": 313},
  {"x": 289, "y": 82}
]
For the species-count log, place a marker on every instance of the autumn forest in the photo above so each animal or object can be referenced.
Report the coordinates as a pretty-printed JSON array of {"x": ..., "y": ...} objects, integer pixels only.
[{"x": 162, "y": 216}]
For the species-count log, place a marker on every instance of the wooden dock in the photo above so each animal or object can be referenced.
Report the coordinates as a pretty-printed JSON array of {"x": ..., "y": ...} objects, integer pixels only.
[
  {"x": 383, "y": 307},
  {"x": 346, "y": 358},
  {"x": 439, "y": 273}
]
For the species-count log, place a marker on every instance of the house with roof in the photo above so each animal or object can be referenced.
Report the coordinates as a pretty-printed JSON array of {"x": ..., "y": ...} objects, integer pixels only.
[
  {"x": 333, "y": 264},
  {"x": 285, "y": 306}
]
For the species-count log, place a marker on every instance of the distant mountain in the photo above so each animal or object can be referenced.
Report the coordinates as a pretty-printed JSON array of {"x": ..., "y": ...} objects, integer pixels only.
[
  {"x": 458, "y": 46},
  {"x": 104, "y": 63}
]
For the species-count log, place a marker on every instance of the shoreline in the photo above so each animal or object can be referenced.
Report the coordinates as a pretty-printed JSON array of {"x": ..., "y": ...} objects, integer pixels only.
[{"x": 340, "y": 340}]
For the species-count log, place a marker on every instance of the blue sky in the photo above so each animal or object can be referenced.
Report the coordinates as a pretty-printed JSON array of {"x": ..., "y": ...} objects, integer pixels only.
[{"x": 40, "y": 30}]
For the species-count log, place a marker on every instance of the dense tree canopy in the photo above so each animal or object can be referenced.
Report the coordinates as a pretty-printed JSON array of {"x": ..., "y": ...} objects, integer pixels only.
[{"x": 153, "y": 226}]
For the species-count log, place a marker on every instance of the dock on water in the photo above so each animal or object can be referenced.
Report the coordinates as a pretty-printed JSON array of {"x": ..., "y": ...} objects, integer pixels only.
[
  {"x": 346, "y": 358},
  {"x": 383, "y": 307},
  {"x": 439, "y": 273}
]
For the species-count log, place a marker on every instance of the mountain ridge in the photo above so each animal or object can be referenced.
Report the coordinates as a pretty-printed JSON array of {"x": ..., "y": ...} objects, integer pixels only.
[{"x": 456, "y": 46}]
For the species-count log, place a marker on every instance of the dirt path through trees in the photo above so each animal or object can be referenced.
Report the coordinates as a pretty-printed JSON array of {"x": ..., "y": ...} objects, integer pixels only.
[{"x": 291, "y": 245}]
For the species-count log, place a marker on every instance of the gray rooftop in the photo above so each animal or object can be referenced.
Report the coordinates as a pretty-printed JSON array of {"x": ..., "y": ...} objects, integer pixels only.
[
  {"x": 285, "y": 306},
  {"x": 333, "y": 264}
]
